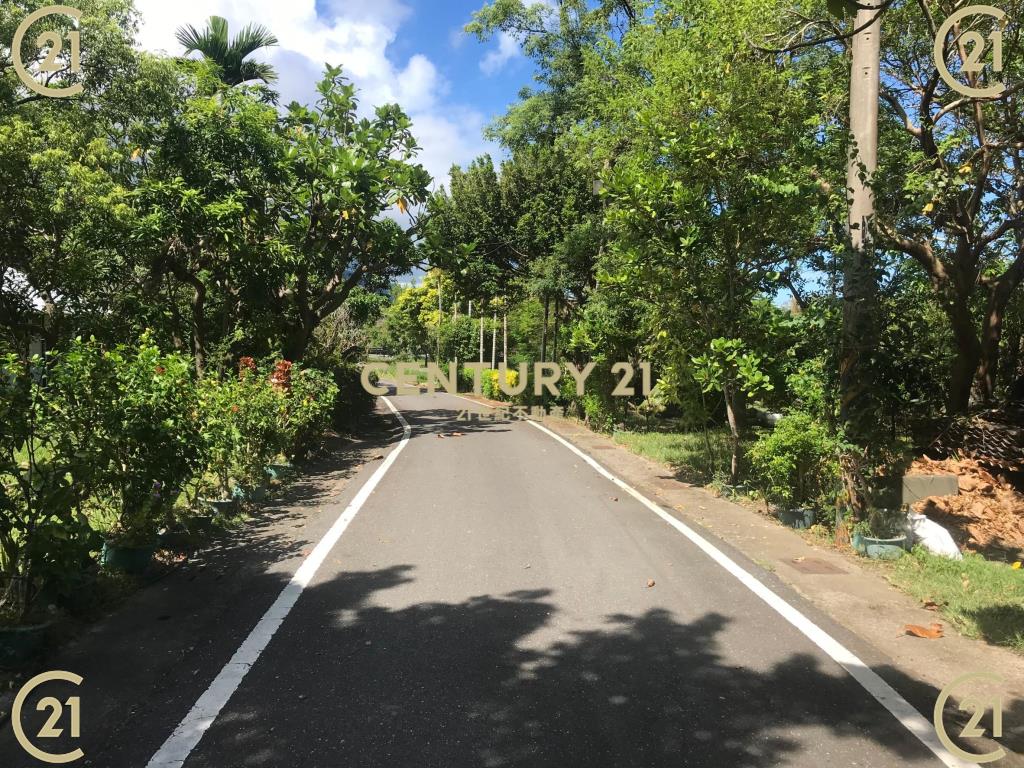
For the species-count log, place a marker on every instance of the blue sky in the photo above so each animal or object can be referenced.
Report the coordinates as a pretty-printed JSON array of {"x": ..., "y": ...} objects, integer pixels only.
[{"x": 410, "y": 51}]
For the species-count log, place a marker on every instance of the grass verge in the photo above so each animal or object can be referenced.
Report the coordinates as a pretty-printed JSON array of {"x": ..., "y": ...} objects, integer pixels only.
[
  {"x": 695, "y": 457},
  {"x": 979, "y": 597}
]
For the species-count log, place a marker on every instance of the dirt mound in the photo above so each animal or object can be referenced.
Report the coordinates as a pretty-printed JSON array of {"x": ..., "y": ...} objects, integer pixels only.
[{"x": 987, "y": 516}]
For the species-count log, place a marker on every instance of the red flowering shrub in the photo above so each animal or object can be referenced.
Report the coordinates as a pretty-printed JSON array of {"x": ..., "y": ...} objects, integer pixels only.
[{"x": 281, "y": 377}]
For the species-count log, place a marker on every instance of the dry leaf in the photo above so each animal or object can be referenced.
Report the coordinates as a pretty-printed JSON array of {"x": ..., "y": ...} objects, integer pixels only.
[
  {"x": 615, "y": 498},
  {"x": 928, "y": 633},
  {"x": 930, "y": 605},
  {"x": 650, "y": 583},
  {"x": 799, "y": 559}
]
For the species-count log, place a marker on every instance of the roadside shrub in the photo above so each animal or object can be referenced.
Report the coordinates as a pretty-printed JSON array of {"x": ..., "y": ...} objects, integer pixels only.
[
  {"x": 152, "y": 442},
  {"x": 352, "y": 404},
  {"x": 220, "y": 435},
  {"x": 261, "y": 410},
  {"x": 307, "y": 414},
  {"x": 128, "y": 413},
  {"x": 797, "y": 462},
  {"x": 491, "y": 387},
  {"x": 45, "y": 537}
]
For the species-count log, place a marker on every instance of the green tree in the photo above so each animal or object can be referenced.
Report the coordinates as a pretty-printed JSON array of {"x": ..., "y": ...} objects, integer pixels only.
[
  {"x": 231, "y": 54},
  {"x": 343, "y": 174}
]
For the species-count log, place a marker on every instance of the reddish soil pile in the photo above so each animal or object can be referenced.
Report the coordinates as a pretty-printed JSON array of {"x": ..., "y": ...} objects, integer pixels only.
[{"x": 987, "y": 516}]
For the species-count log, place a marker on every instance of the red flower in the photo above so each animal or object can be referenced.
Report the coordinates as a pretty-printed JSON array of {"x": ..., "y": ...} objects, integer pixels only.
[{"x": 282, "y": 375}]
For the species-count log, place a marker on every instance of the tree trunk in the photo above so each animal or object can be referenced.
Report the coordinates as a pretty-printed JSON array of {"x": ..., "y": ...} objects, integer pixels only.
[
  {"x": 554, "y": 339},
  {"x": 734, "y": 414},
  {"x": 999, "y": 293},
  {"x": 966, "y": 358},
  {"x": 544, "y": 333},
  {"x": 481, "y": 337},
  {"x": 504, "y": 338},
  {"x": 198, "y": 316}
]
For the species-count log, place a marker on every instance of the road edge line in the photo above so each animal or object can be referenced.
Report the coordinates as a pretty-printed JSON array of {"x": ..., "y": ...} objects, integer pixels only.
[
  {"x": 881, "y": 691},
  {"x": 190, "y": 731}
]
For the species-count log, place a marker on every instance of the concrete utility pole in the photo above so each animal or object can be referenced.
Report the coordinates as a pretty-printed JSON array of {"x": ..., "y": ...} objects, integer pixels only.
[
  {"x": 860, "y": 283},
  {"x": 494, "y": 341}
]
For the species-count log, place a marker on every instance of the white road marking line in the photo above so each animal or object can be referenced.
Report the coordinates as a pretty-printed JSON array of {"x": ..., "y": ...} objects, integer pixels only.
[
  {"x": 190, "y": 731},
  {"x": 884, "y": 693}
]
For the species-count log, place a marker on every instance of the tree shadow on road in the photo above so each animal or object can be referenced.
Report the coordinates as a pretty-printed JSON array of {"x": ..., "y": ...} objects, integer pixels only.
[
  {"x": 446, "y": 421},
  {"x": 488, "y": 681}
]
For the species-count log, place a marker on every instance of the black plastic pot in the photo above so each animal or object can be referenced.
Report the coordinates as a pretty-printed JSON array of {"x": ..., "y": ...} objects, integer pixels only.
[
  {"x": 19, "y": 645},
  {"x": 131, "y": 560},
  {"x": 797, "y": 518}
]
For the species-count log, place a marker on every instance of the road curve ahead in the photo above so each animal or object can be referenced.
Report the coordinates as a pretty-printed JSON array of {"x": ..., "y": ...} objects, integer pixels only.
[{"x": 490, "y": 605}]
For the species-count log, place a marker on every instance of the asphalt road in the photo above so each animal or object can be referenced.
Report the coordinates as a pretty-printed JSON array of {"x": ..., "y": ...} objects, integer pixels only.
[{"x": 489, "y": 605}]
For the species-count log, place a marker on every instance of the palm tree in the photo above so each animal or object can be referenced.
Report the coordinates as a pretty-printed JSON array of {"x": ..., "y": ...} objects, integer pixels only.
[{"x": 230, "y": 54}]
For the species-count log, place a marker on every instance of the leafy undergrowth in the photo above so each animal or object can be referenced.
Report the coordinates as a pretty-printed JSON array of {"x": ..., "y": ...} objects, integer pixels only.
[
  {"x": 693, "y": 456},
  {"x": 981, "y": 598}
]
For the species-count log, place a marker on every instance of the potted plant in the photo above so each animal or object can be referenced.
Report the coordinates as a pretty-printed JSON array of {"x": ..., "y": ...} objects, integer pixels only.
[
  {"x": 884, "y": 537},
  {"x": 147, "y": 444}
]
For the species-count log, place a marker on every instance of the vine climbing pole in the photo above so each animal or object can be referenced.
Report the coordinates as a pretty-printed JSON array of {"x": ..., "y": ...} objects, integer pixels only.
[{"x": 860, "y": 282}]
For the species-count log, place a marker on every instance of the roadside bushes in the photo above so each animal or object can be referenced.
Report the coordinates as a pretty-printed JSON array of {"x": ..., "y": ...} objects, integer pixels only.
[
  {"x": 797, "y": 462},
  {"x": 263, "y": 412},
  {"x": 311, "y": 403},
  {"x": 98, "y": 445},
  {"x": 490, "y": 383},
  {"x": 140, "y": 437},
  {"x": 43, "y": 531}
]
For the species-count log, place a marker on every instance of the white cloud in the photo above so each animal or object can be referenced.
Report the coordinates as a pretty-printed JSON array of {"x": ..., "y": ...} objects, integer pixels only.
[
  {"x": 495, "y": 60},
  {"x": 353, "y": 33},
  {"x": 457, "y": 37}
]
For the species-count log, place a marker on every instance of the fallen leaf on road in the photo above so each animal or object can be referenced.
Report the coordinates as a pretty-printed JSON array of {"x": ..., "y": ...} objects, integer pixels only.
[
  {"x": 378, "y": 456},
  {"x": 650, "y": 583},
  {"x": 439, "y": 437},
  {"x": 799, "y": 559},
  {"x": 930, "y": 605},
  {"x": 928, "y": 633},
  {"x": 615, "y": 498}
]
